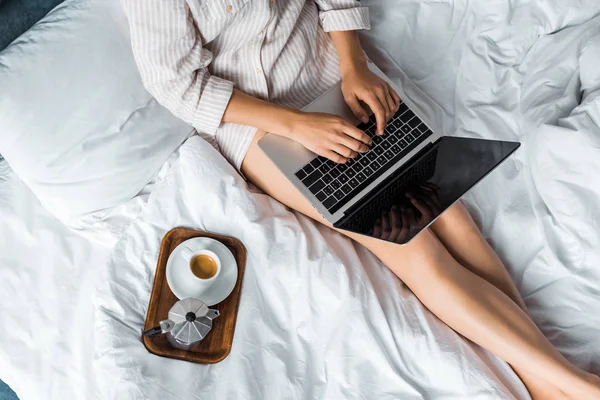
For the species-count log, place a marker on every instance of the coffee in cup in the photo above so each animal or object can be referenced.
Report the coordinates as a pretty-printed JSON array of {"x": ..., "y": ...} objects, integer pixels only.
[{"x": 203, "y": 266}]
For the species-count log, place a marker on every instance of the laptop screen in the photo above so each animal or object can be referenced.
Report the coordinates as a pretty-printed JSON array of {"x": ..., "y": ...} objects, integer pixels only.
[{"x": 414, "y": 196}]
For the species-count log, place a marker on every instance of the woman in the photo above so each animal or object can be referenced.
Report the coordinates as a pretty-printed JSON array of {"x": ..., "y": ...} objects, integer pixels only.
[{"x": 239, "y": 68}]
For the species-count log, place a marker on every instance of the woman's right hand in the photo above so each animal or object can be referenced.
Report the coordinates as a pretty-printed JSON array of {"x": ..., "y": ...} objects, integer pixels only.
[{"x": 328, "y": 135}]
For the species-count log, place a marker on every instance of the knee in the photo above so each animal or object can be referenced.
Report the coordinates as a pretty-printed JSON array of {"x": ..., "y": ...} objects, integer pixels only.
[
  {"x": 455, "y": 219},
  {"x": 422, "y": 261}
]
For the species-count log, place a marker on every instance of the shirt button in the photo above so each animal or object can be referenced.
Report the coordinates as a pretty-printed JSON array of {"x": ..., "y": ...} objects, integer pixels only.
[
  {"x": 260, "y": 33},
  {"x": 258, "y": 71},
  {"x": 228, "y": 8}
]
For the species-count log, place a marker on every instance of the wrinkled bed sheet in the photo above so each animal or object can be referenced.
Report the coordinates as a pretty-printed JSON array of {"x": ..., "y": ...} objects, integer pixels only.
[{"x": 320, "y": 317}]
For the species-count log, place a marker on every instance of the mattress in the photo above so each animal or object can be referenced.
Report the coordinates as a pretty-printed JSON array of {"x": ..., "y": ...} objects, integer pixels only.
[{"x": 320, "y": 316}]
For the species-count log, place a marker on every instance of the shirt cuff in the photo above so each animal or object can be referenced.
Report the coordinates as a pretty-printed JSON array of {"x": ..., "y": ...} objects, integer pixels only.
[
  {"x": 212, "y": 105},
  {"x": 349, "y": 19}
]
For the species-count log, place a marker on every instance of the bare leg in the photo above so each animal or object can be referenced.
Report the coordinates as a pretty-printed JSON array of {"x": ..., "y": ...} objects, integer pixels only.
[
  {"x": 467, "y": 303},
  {"x": 460, "y": 235}
]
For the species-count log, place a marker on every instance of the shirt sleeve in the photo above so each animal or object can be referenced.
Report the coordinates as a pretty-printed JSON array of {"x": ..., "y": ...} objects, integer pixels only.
[
  {"x": 343, "y": 15},
  {"x": 173, "y": 64}
]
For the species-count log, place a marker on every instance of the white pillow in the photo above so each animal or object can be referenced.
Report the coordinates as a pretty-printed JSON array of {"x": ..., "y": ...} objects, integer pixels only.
[{"x": 76, "y": 124}]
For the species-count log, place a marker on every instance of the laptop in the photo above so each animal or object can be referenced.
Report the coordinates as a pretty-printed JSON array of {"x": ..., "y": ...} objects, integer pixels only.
[{"x": 407, "y": 179}]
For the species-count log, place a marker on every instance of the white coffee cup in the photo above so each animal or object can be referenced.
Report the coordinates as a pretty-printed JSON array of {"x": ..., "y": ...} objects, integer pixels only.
[{"x": 189, "y": 255}]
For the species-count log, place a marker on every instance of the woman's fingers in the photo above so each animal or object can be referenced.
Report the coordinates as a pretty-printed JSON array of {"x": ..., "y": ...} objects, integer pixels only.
[
  {"x": 343, "y": 151},
  {"x": 358, "y": 111},
  {"x": 333, "y": 156},
  {"x": 352, "y": 131},
  {"x": 353, "y": 139},
  {"x": 394, "y": 95},
  {"x": 378, "y": 109},
  {"x": 381, "y": 94},
  {"x": 352, "y": 143},
  {"x": 392, "y": 103}
]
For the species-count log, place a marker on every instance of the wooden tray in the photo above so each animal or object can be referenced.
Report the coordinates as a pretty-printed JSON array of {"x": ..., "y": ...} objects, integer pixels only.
[{"x": 217, "y": 344}]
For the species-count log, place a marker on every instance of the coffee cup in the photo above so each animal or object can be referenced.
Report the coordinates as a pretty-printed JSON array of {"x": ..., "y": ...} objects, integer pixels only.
[{"x": 204, "y": 266}]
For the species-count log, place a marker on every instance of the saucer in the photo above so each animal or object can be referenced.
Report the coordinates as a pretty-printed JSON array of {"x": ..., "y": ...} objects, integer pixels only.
[{"x": 220, "y": 288}]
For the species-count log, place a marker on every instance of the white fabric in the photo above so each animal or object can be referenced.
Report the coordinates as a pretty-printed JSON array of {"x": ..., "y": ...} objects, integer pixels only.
[
  {"x": 320, "y": 317},
  {"x": 76, "y": 123},
  {"x": 47, "y": 286}
]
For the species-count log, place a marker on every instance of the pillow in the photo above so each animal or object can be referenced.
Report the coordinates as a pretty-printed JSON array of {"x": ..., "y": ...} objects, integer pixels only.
[{"x": 76, "y": 124}]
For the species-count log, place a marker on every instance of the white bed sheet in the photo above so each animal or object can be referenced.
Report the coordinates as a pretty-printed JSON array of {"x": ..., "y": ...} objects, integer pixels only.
[
  {"x": 320, "y": 317},
  {"x": 47, "y": 283},
  {"x": 46, "y": 311}
]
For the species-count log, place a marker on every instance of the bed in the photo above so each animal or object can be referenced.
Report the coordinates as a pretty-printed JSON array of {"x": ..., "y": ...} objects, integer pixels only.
[{"x": 321, "y": 317}]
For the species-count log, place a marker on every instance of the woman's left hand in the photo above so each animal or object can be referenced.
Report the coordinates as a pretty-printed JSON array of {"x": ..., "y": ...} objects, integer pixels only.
[{"x": 361, "y": 84}]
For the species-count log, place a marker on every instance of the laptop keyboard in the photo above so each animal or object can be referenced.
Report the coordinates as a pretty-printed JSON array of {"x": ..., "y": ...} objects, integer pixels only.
[{"x": 334, "y": 184}]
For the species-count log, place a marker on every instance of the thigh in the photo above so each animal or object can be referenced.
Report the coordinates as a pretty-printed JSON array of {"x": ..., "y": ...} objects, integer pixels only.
[
  {"x": 423, "y": 250},
  {"x": 455, "y": 222},
  {"x": 462, "y": 238},
  {"x": 261, "y": 171}
]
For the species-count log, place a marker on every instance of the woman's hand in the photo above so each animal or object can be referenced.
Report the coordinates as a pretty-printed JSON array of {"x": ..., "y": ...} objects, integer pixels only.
[
  {"x": 328, "y": 135},
  {"x": 359, "y": 83}
]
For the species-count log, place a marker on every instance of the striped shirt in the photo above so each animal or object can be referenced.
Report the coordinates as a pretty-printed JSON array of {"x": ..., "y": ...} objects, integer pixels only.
[{"x": 191, "y": 53}]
